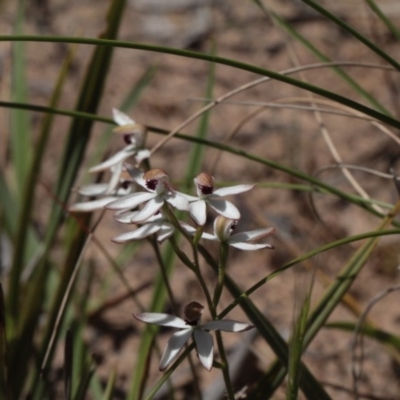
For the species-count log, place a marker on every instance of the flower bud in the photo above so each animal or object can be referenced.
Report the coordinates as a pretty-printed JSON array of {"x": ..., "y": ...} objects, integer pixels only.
[
  {"x": 204, "y": 184},
  {"x": 193, "y": 312},
  {"x": 133, "y": 133},
  {"x": 223, "y": 227},
  {"x": 154, "y": 177}
]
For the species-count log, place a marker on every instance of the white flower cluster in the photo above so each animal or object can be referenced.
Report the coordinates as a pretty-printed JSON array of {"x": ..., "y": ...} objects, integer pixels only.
[
  {"x": 119, "y": 195},
  {"x": 150, "y": 209}
]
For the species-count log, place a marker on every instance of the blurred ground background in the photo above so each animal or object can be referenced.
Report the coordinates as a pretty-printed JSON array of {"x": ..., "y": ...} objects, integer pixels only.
[{"x": 240, "y": 30}]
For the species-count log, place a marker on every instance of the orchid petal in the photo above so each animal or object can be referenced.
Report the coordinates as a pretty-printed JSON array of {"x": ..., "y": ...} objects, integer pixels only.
[
  {"x": 204, "y": 345},
  {"x": 140, "y": 233},
  {"x": 198, "y": 212},
  {"x": 117, "y": 158},
  {"x": 89, "y": 206},
  {"x": 174, "y": 346},
  {"x": 226, "y": 325},
  {"x": 121, "y": 118},
  {"x": 94, "y": 189},
  {"x": 228, "y": 191},
  {"x": 136, "y": 174},
  {"x": 115, "y": 178},
  {"x": 142, "y": 155},
  {"x": 125, "y": 217},
  {"x": 224, "y": 208},
  {"x": 208, "y": 236},
  {"x": 124, "y": 190},
  {"x": 188, "y": 197},
  {"x": 179, "y": 202},
  {"x": 251, "y": 246},
  {"x": 165, "y": 232},
  {"x": 131, "y": 201},
  {"x": 251, "y": 235},
  {"x": 188, "y": 228},
  {"x": 148, "y": 210},
  {"x": 161, "y": 319}
]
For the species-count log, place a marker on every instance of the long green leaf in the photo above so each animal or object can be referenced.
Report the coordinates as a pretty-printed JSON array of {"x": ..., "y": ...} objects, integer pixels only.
[{"x": 217, "y": 59}]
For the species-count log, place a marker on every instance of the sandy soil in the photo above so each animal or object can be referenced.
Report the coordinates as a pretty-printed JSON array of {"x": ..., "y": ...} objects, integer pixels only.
[{"x": 291, "y": 137}]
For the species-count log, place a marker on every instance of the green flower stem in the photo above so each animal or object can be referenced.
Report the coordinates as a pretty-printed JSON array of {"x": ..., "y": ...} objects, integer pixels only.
[
  {"x": 194, "y": 266},
  {"x": 164, "y": 274},
  {"x": 225, "y": 366},
  {"x": 223, "y": 257},
  {"x": 175, "y": 310}
]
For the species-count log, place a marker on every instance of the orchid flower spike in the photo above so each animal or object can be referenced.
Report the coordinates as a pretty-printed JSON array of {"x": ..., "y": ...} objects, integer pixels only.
[
  {"x": 189, "y": 326},
  {"x": 207, "y": 195},
  {"x": 156, "y": 182},
  {"x": 223, "y": 228}
]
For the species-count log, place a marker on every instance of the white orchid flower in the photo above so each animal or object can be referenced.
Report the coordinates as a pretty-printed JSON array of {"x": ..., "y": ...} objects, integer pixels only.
[
  {"x": 207, "y": 195},
  {"x": 134, "y": 136},
  {"x": 156, "y": 224},
  {"x": 99, "y": 189},
  {"x": 156, "y": 182},
  {"x": 188, "y": 327},
  {"x": 223, "y": 228}
]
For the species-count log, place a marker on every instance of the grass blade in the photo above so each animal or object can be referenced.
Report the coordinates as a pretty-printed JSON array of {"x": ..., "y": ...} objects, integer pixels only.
[
  {"x": 314, "y": 50},
  {"x": 68, "y": 364},
  {"x": 391, "y": 27},
  {"x": 216, "y": 59},
  {"x": 323, "y": 11},
  {"x": 386, "y": 338},
  {"x": 108, "y": 393},
  {"x": 21, "y": 144},
  {"x": 4, "y": 385},
  {"x": 345, "y": 278}
]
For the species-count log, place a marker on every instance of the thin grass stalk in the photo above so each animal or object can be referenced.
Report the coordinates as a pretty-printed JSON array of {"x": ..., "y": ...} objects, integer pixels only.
[
  {"x": 362, "y": 38},
  {"x": 386, "y": 338},
  {"x": 296, "y": 342},
  {"x": 4, "y": 381},
  {"x": 381, "y": 15},
  {"x": 217, "y": 59},
  {"x": 344, "y": 280},
  {"x": 318, "y": 53},
  {"x": 108, "y": 392},
  {"x": 68, "y": 363}
]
